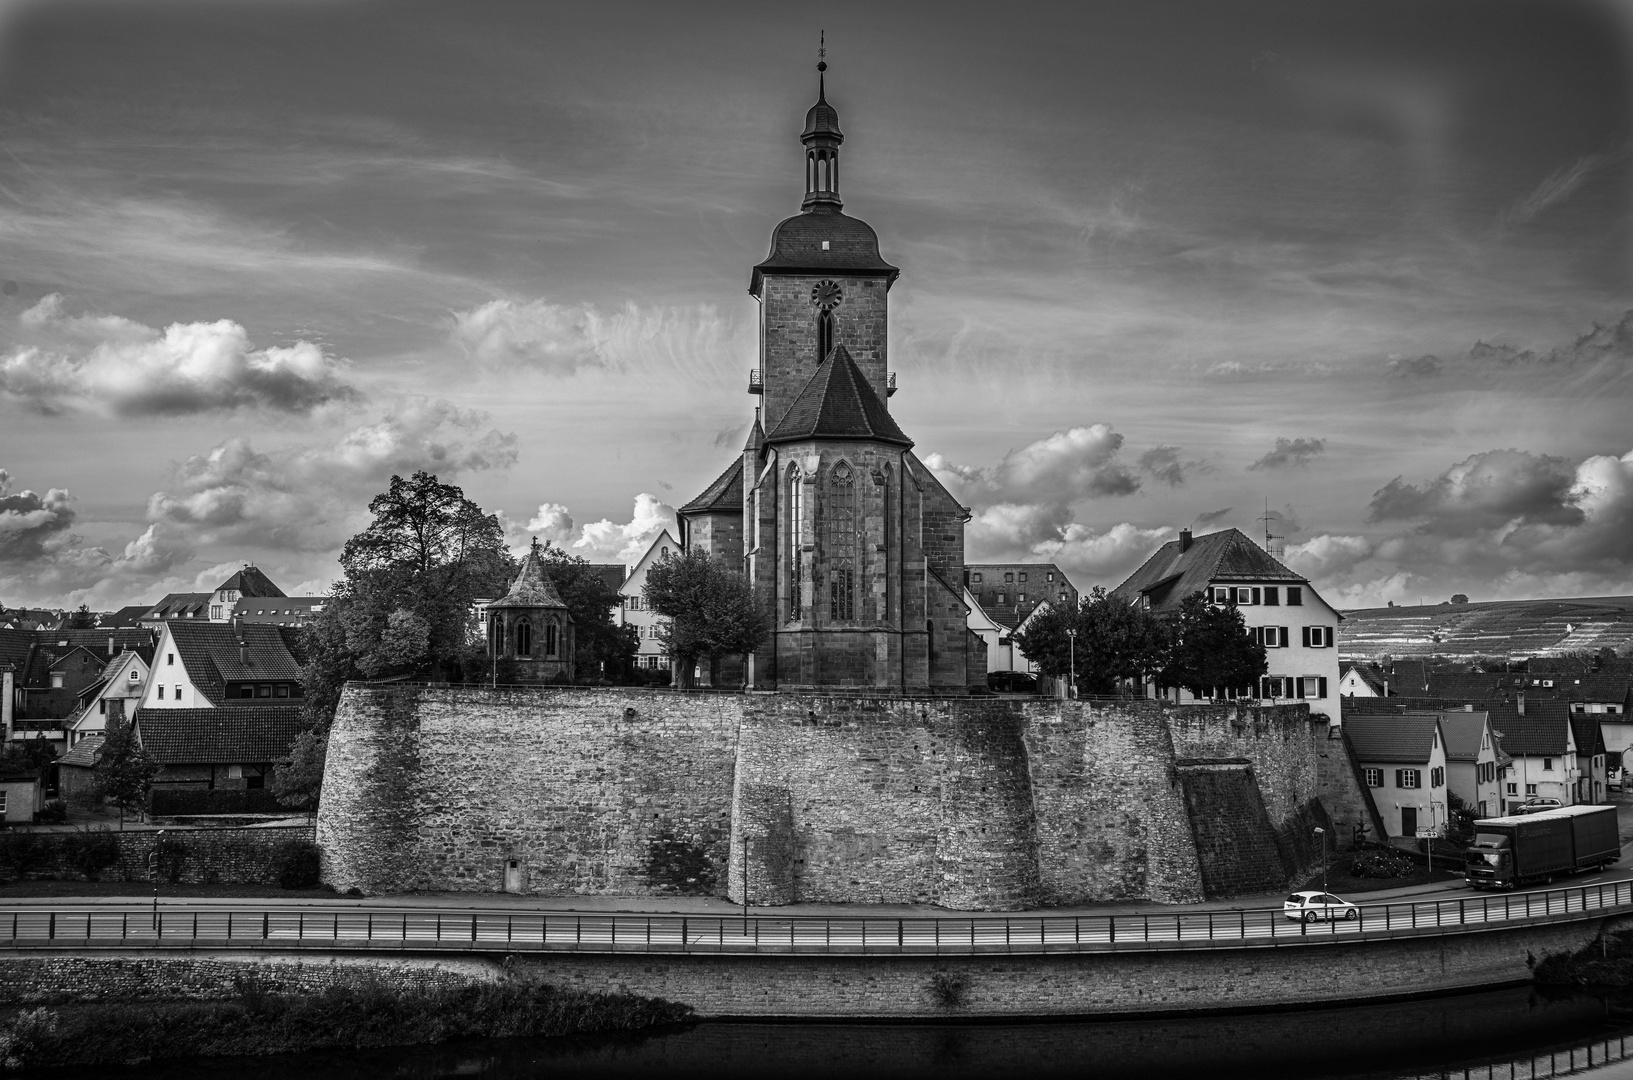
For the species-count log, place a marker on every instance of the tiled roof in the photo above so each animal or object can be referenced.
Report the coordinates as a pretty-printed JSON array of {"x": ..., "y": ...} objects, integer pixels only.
[
  {"x": 83, "y": 753},
  {"x": 234, "y": 735},
  {"x": 15, "y": 645},
  {"x": 1461, "y": 730},
  {"x": 126, "y": 616},
  {"x": 194, "y": 605},
  {"x": 250, "y": 581},
  {"x": 1171, "y": 575},
  {"x": 1411, "y": 677},
  {"x": 838, "y": 403},
  {"x": 278, "y": 610},
  {"x": 1590, "y": 737},
  {"x": 611, "y": 574},
  {"x": 1370, "y": 674},
  {"x": 533, "y": 588},
  {"x": 725, "y": 495},
  {"x": 1541, "y": 731},
  {"x": 1405, "y": 737},
  {"x": 210, "y": 653},
  {"x": 797, "y": 245}
]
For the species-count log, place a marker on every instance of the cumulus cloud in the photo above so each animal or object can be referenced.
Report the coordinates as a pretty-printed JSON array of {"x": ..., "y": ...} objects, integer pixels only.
[
  {"x": 552, "y": 522},
  {"x": 1420, "y": 367},
  {"x": 1325, "y": 556},
  {"x": 1485, "y": 491},
  {"x": 32, "y": 525},
  {"x": 1108, "y": 556},
  {"x": 111, "y": 366},
  {"x": 1165, "y": 465},
  {"x": 552, "y": 337},
  {"x": 1291, "y": 453},
  {"x": 564, "y": 339},
  {"x": 1081, "y": 462},
  {"x": 609, "y": 541}
]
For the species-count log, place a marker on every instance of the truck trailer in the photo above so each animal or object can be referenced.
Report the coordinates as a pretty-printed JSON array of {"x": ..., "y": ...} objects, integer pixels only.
[{"x": 1518, "y": 850}]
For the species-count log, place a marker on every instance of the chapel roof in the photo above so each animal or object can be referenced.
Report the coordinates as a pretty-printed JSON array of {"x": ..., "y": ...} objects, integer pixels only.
[
  {"x": 724, "y": 496},
  {"x": 838, "y": 403},
  {"x": 533, "y": 588}
]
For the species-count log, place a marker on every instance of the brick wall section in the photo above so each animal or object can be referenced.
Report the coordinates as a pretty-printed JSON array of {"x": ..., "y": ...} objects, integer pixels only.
[
  {"x": 594, "y": 792},
  {"x": 1235, "y": 842},
  {"x": 241, "y": 856},
  {"x": 970, "y": 803},
  {"x": 32, "y": 979},
  {"x": 1111, "y": 819}
]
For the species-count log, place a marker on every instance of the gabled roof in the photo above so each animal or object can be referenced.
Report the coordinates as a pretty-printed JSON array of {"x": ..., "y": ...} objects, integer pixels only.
[
  {"x": 1403, "y": 737},
  {"x": 181, "y": 605},
  {"x": 1461, "y": 731},
  {"x": 724, "y": 496},
  {"x": 611, "y": 574},
  {"x": 664, "y": 539},
  {"x": 533, "y": 588},
  {"x": 1370, "y": 674},
  {"x": 1542, "y": 731},
  {"x": 250, "y": 581},
  {"x": 1411, "y": 677},
  {"x": 234, "y": 735},
  {"x": 1176, "y": 572},
  {"x": 211, "y": 655},
  {"x": 84, "y": 752},
  {"x": 838, "y": 403},
  {"x": 126, "y": 616},
  {"x": 63, "y": 658},
  {"x": 1590, "y": 737}
]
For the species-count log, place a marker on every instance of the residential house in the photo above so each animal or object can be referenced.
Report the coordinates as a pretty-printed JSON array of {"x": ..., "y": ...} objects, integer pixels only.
[
  {"x": 248, "y": 583},
  {"x": 21, "y": 796},
  {"x": 177, "y": 606},
  {"x": 1592, "y": 780},
  {"x": 205, "y": 665},
  {"x": 1402, "y": 758},
  {"x": 228, "y": 746},
  {"x": 1539, "y": 736},
  {"x": 278, "y": 610},
  {"x": 124, "y": 679},
  {"x": 1362, "y": 679},
  {"x": 1009, "y": 592},
  {"x": 76, "y": 776},
  {"x": 1474, "y": 760},
  {"x": 128, "y": 617},
  {"x": 43, "y": 673},
  {"x": 1281, "y": 608},
  {"x": 1001, "y": 651},
  {"x": 633, "y": 610}
]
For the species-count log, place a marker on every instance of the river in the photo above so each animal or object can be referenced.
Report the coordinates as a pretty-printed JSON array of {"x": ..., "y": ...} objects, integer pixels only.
[{"x": 1503, "y": 1033}]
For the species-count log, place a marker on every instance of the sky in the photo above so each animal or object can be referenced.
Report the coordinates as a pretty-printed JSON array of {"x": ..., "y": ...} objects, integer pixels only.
[{"x": 1363, "y": 264}]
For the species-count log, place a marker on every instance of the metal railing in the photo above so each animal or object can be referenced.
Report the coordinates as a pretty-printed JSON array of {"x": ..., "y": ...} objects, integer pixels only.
[
  {"x": 1562, "y": 1061},
  {"x": 489, "y": 929}
]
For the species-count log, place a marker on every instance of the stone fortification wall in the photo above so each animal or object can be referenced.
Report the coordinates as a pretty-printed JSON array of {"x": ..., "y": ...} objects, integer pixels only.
[
  {"x": 973, "y": 804},
  {"x": 619, "y": 792}
]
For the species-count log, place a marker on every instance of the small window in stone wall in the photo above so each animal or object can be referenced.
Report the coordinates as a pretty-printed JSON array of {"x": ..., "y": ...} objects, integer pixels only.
[
  {"x": 524, "y": 638},
  {"x": 550, "y": 642}
]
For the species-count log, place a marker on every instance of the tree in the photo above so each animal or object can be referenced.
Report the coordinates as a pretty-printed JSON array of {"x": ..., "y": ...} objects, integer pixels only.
[
  {"x": 600, "y": 646},
  {"x": 123, "y": 771},
  {"x": 1115, "y": 641},
  {"x": 1211, "y": 649},
  {"x": 712, "y": 610},
  {"x": 1460, "y": 598},
  {"x": 81, "y": 619}
]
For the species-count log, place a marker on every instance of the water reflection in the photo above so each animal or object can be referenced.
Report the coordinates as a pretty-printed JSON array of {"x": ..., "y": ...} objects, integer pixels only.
[{"x": 1507, "y": 1033}]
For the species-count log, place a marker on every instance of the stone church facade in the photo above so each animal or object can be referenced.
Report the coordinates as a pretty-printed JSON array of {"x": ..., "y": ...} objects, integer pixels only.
[{"x": 852, "y": 543}]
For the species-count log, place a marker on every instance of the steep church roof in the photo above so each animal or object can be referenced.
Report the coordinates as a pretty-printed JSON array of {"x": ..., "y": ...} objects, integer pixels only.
[
  {"x": 533, "y": 587},
  {"x": 838, "y": 403},
  {"x": 796, "y": 247},
  {"x": 724, "y": 496}
]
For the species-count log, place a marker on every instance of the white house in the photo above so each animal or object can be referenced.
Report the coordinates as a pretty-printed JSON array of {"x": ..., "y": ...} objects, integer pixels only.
[
  {"x": 125, "y": 679},
  {"x": 1474, "y": 760},
  {"x": 1282, "y": 610},
  {"x": 1402, "y": 757},
  {"x": 632, "y": 611}
]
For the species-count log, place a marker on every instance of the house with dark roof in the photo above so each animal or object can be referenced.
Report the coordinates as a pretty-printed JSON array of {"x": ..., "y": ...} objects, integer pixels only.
[
  {"x": 278, "y": 610},
  {"x": 125, "y": 618},
  {"x": 230, "y": 746},
  {"x": 1539, "y": 737},
  {"x": 1402, "y": 758},
  {"x": 1475, "y": 761},
  {"x": 76, "y": 778},
  {"x": 1283, "y": 612},
  {"x": 1007, "y": 592},
  {"x": 1361, "y": 678},
  {"x": 633, "y": 611},
  {"x": 248, "y": 583},
  {"x": 205, "y": 665},
  {"x": 124, "y": 679},
  {"x": 1592, "y": 781}
]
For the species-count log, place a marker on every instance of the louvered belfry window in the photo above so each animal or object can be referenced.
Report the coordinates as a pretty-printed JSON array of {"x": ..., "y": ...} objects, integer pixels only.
[{"x": 842, "y": 543}]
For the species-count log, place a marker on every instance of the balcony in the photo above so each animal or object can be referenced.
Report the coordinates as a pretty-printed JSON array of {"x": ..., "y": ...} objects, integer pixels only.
[
  {"x": 755, "y": 386},
  {"x": 890, "y": 385}
]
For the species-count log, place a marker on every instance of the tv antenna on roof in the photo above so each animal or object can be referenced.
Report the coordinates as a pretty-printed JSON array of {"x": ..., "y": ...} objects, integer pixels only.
[{"x": 1270, "y": 537}]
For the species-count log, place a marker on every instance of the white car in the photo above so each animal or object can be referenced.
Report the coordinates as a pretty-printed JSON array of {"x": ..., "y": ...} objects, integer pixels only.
[{"x": 1311, "y": 906}]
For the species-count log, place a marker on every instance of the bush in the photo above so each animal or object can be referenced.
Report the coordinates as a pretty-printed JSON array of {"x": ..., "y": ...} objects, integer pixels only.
[
  {"x": 23, "y": 1037},
  {"x": 90, "y": 852},
  {"x": 180, "y": 802},
  {"x": 54, "y": 812},
  {"x": 22, "y": 852},
  {"x": 172, "y": 852},
  {"x": 297, "y": 862},
  {"x": 1381, "y": 864}
]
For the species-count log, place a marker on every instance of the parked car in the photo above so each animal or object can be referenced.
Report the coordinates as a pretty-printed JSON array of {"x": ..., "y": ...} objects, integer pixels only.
[
  {"x": 1532, "y": 805},
  {"x": 1313, "y": 906},
  {"x": 1012, "y": 682}
]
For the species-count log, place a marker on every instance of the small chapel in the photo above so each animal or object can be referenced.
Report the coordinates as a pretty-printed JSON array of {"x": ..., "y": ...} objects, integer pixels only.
[{"x": 855, "y": 546}]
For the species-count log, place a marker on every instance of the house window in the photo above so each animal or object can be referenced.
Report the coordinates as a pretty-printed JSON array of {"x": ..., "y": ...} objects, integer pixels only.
[
  {"x": 842, "y": 543},
  {"x": 1295, "y": 596},
  {"x": 1530, "y": 789},
  {"x": 1513, "y": 789},
  {"x": 1547, "y": 764},
  {"x": 1145, "y": 601},
  {"x": 3, "y": 794},
  {"x": 1374, "y": 777},
  {"x": 1408, "y": 778},
  {"x": 102, "y": 708},
  {"x": 136, "y": 676},
  {"x": 264, "y": 690},
  {"x": 56, "y": 680},
  {"x": 796, "y": 520},
  {"x": 1244, "y": 595},
  {"x": 1317, "y": 637},
  {"x": 1020, "y": 598},
  {"x": 1023, "y": 575},
  {"x": 524, "y": 638},
  {"x": 281, "y": 691},
  {"x": 1009, "y": 579},
  {"x": 1273, "y": 686},
  {"x": 1049, "y": 577},
  {"x": 1312, "y": 686},
  {"x": 161, "y": 693},
  {"x": 1003, "y": 598},
  {"x": 1272, "y": 596},
  {"x": 1222, "y": 594},
  {"x": 1437, "y": 777}
]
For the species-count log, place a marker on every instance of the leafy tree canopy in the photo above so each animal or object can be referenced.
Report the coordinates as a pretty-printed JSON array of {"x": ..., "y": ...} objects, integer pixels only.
[
  {"x": 1211, "y": 649},
  {"x": 600, "y": 646},
  {"x": 123, "y": 771},
  {"x": 81, "y": 619},
  {"x": 1115, "y": 641},
  {"x": 711, "y": 609}
]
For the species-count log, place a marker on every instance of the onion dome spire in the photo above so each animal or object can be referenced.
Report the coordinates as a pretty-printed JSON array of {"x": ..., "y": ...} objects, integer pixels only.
[{"x": 822, "y": 138}]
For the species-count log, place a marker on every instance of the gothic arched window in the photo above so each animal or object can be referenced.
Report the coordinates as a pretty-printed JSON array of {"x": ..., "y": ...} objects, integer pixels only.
[
  {"x": 524, "y": 638},
  {"x": 550, "y": 639},
  {"x": 826, "y": 295},
  {"x": 795, "y": 522},
  {"x": 841, "y": 543}
]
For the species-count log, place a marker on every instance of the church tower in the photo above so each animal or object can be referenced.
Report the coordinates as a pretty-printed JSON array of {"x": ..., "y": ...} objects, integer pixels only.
[{"x": 853, "y": 545}]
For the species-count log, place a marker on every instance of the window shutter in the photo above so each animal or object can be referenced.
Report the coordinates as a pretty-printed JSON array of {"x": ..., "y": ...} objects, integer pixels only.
[
  {"x": 1400, "y": 778},
  {"x": 1304, "y": 636},
  {"x": 1256, "y": 595},
  {"x": 1321, "y": 685},
  {"x": 1283, "y": 636}
]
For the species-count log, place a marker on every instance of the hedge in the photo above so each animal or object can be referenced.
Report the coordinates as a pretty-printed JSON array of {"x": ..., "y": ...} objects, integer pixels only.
[{"x": 183, "y": 801}]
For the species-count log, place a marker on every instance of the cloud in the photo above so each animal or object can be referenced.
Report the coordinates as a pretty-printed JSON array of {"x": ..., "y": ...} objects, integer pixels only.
[
  {"x": 1208, "y": 517},
  {"x": 1485, "y": 491},
  {"x": 608, "y": 541},
  {"x": 1108, "y": 556},
  {"x": 1558, "y": 186},
  {"x": 552, "y": 337},
  {"x": 110, "y": 366},
  {"x": 1421, "y": 367},
  {"x": 552, "y": 522},
  {"x": 1080, "y": 462},
  {"x": 32, "y": 525},
  {"x": 1291, "y": 453},
  {"x": 311, "y": 499},
  {"x": 1163, "y": 464},
  {"x": 1326, "y": 555}
]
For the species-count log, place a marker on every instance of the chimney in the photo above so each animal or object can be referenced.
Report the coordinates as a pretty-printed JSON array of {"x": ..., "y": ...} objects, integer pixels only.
[
  {"x": 1519, "y": 702},
  {"x": 1184, "y": 540},
  {"x": 238, "y": 632},
  {"x": 110, "y": 644}
]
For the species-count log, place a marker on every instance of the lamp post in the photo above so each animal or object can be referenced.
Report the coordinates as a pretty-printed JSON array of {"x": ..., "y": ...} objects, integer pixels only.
[
  {"x": 1319, "y": 831},
  {"x": 1071, "y": 654}
]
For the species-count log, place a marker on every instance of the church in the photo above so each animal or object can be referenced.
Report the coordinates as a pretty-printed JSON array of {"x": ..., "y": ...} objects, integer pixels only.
[{"x": 855, "y": 546}]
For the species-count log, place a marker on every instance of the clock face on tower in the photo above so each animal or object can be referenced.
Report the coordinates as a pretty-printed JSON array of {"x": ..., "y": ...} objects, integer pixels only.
[{"x": 826, "y": 295}]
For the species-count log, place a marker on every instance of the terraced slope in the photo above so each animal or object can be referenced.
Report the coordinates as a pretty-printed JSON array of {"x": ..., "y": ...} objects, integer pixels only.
[{"x": 1518, "y": 628}]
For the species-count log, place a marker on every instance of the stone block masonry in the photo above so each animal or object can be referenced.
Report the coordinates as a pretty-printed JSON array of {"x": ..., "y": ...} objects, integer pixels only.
[{"x": 969, "y": 803}]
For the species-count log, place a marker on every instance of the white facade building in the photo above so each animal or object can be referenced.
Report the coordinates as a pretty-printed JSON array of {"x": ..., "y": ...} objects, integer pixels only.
[{"x": 632, "y": 609}]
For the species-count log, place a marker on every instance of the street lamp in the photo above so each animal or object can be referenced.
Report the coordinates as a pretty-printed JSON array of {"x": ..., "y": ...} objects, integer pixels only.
[
  {"x": 1071, "y": 653},
  {"x": 1319, "y": 831}
]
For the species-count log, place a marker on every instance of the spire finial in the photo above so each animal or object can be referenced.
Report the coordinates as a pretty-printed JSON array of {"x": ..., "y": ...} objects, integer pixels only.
[{"x": 822, "y": 65}]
